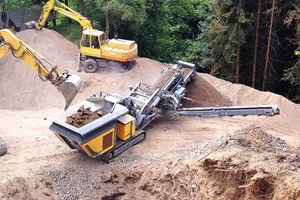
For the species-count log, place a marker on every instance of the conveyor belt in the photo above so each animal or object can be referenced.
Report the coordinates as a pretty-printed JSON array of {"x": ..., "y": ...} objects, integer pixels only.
[
  {"x": 171, "y": 77},
  {"x": 268, "y": 110},
  {"x": 163, "y": 81}
]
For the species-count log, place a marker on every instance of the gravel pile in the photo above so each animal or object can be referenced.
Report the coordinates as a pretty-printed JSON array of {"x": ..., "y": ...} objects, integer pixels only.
[{"x": 73, "y": 183}]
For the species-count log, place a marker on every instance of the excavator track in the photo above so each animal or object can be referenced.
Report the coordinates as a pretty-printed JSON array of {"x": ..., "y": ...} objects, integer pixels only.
[
  {"x": 3, "y": 147},
  {"x": 122, "y": 146}
]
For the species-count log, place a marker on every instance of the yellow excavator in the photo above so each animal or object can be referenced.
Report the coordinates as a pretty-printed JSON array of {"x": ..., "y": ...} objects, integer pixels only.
[
  {"x": 66, "y": 83},
  {"x": 95, "y": 48}
]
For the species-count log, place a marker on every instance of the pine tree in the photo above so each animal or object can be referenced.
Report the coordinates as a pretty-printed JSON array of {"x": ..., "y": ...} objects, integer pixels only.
[
  {"x": 269, "y": 45},
  {"x": 228, "y": 35}
]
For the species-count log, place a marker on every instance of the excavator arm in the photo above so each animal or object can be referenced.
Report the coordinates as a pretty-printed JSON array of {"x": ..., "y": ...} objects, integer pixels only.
[
  {"x": 67, "y": 84},
  {"x": 64, "y": 10}
]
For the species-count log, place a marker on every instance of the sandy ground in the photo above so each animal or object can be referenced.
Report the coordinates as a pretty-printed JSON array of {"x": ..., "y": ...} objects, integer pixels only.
[{"x": 182, "y": 158}]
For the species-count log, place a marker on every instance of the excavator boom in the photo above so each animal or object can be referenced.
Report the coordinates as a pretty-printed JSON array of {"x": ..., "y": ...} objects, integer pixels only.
[
  {"x": 64, "y": 10},
  {"x": 66, "y": 83}
]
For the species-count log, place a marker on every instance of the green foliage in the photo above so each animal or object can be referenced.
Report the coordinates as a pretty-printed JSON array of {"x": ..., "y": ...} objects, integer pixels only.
[
  {"x": 228, "y": 30},
  {"x": 2, "y": 6},
  {"x": 122, "y": 16},
  {"x": 199, "y": 49},
  {"x": 175, "y": 30},
  {"x": 74, "y": 35},
  {"x": 292, "y": 74},
  {"x": 152, "y": 36}
]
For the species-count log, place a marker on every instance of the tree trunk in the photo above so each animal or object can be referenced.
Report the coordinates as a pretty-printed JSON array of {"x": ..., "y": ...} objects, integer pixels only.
[
  {"x": 107, "y": 24},
  {"x": 238, "y": 54},
  {"x": 268, "y": 48},
  {"x": 24, "y": 12},
  {"x": 256, "y": 45},
  {"x": 237, "y": 64},
  {"x": 81, "y": 7},
  {"x": 7, "y": 14}
]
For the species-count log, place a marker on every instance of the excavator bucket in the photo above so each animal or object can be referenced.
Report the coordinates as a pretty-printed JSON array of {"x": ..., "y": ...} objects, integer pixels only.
[{"x": 69, "y": 88}]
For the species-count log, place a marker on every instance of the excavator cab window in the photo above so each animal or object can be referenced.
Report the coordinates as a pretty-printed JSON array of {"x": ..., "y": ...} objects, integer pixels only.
[
  {"x": 86, "y": 42},
  {"x": 102, "y": 39},
  {"x": 95, "y": 42}
]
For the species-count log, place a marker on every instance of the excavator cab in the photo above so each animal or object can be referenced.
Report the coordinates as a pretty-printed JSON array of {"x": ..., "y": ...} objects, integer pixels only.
[
  {"x": 96, "y": 48},
  {"x": 92, "y": 42}
]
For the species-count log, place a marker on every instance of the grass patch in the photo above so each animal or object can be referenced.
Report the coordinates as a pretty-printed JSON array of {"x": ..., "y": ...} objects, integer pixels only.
[{"x": 71, "y": 31}]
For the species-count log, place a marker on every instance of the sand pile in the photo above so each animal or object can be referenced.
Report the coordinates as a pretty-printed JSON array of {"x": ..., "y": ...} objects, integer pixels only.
[
  {"x": 22, "y": 89},
  {"x": 244, "y": 95}
]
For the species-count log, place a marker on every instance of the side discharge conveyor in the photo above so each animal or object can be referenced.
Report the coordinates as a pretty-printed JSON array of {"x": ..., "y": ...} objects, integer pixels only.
[{"x": 267, "y": 110}]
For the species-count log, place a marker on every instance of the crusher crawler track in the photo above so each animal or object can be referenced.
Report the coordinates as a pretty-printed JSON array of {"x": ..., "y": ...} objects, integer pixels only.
[{"x": 123, "y": 146}]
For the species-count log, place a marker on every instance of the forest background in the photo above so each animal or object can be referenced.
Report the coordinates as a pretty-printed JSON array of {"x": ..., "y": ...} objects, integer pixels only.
[{"x": 243, "y": 41}]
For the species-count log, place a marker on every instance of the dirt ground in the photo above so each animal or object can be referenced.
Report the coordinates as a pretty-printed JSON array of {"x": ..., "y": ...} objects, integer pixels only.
[{"x": 252, "y": 157}]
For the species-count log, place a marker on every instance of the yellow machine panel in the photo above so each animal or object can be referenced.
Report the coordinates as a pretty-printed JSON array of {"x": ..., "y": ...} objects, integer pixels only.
[
  {"x": 126, "y": 127},
  {"x": 100, "y": 144},
  {"x": 121, "y": 44},
  {"x": 119, "y": 54}
]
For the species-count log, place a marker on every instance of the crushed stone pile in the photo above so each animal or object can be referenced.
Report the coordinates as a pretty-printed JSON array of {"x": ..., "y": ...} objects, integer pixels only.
[{"x": 84, "y": 116}]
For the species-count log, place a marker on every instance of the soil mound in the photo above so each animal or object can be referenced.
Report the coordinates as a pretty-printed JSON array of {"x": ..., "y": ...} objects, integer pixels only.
[
  {"x": 248, "y": 164},
  {"x": 243, "y": 95},
  {"x": 201, "y": 93},
  {"x": 38, "y": 187},
  {"x": 21, "y": 87}
]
